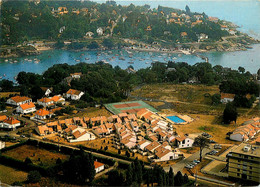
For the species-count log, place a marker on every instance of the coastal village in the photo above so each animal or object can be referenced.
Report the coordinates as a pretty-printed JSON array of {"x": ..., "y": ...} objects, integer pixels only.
[{"x": 93, "y": 123}]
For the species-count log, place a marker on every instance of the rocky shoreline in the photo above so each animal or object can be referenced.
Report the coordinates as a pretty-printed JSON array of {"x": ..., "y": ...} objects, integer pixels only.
[{"x": 230, "y": 43}]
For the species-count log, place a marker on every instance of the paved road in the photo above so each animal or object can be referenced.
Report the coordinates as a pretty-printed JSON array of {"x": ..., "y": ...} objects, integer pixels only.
[{"x": 180, "y": 165}]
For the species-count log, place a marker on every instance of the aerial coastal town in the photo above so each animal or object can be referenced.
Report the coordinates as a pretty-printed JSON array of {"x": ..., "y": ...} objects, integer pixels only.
[{"x": 94, "y": 123}]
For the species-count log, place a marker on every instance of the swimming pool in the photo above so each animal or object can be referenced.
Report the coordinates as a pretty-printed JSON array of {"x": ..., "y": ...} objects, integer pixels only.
[{"x": 175, "y": 119}]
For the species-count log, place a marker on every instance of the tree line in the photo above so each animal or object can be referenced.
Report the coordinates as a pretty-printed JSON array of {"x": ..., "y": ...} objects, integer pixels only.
[{"x": 103, "y": 83}]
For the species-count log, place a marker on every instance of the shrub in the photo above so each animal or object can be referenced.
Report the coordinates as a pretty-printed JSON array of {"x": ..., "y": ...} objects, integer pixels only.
[{"x": 34, "y": 176}]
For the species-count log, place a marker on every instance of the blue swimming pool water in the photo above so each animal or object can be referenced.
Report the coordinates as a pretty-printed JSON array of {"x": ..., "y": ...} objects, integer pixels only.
[{"x": 175, "y": 119}]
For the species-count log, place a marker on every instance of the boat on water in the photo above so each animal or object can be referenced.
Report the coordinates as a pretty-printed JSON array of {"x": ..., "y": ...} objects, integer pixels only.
[
  {"x": 77, "y": 60},
  {"x": 130, "y": 62},
  {"x": 174, "y": 58},
  {"x": 36, "y": 61},
  {"x": 121, "y": 58},
  {"x": 86, "y": 58},
  {"x": 6, "y": 60},
  {"x": 15, "y": 61},
  {"x": 147, "y": 62},
  {"x": 1, "y": 77},
  {"x": 29, "y": 60}
]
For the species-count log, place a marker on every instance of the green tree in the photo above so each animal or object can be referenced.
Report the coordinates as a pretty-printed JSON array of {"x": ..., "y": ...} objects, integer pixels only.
[
  {"x": 201, "y": 142},
  {"x": 171, "y": 177},
  {"x": 108, "y": 43},
  {"x": 178, "y": 179},
  {"x": 129, "y": 175},
  {"x": 215, "y": 99},
  {"x": 230, "y": 113},
  {"x": 27, "y": 160},
  {"x": 34, "y": 176}
]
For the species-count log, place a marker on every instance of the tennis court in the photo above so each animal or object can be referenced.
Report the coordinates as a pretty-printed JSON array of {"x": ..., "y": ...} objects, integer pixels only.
[{"x": 128, "y": 107}]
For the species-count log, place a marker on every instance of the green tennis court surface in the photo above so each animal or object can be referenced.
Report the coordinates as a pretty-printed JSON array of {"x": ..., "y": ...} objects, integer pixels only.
[{"x": 128, "y": 107}]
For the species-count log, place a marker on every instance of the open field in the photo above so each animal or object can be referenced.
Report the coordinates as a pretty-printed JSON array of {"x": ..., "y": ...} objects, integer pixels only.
[
  {"x": 37, "y": 155},
  {"x": 7, "y": 94},
  {"x": 9, "y": 175},
  {"x": 97, "y": 144}
]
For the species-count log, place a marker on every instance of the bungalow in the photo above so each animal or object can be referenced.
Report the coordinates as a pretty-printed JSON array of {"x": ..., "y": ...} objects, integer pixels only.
[
  {"x": 58, "y": 99},
  {"x": 10, "y": 123},
  {"x": 183, "y": 142},
  {"x": 245, "y": 132},
  {"x": 81, "y": 135},
  {"x": 163, "y": 154},
  {"x": 76, "y": 75},
  {"x": 42, "y": 114},
  {"x": 99, "y": 166},
  {"x": 26, "y": 108},
  {"x": 18, "y": 100},
  {"x": 74, "y": 94},
  {"x": 142, "y": 144},
  {"x": 89, "y": 34},
  {"x": 43, "y": 130},
  {"x": 100, "y": 31},
  {"x": 227, "y": 97},
  {"x": 2, "y": 145},
  {"x": 152, "y": 146},
  {"x": 47, "y": 91},
  {"x": 45, "y": 102}
]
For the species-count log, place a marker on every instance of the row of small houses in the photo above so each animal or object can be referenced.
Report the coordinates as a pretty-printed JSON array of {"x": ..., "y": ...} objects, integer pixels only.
[
  {"x": 127, "y": 127},
  {"x": 247, "y": 131},
  {"x": 25, "y": 105}
]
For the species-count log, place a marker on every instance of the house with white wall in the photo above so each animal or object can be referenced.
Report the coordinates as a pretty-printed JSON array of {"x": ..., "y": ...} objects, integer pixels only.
[
  {"x": 26, "y": 108},
  {"x": 74, "y": 94},
  {"x": 18, "y": 100}
]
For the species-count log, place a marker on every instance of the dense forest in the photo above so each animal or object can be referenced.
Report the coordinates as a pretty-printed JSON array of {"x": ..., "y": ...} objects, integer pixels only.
[
  {"x": 103, "y": 83},
  {"x": 23, "y": 21}
]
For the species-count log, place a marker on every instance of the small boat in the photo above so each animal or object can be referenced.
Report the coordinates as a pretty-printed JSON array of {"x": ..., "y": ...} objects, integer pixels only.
[
  {"x": 6, "y": 60},
  {"x": 1, "y": 77},
  {"x": 130, "y": 62},
  {"x": 121, "y": 58},
  {"x": 15, "y": 61},
  {"x": 86, "y": 58},
  {"x": 147, "y": 62},
  {"x": 77, "y": 60},
  {"x": 36, "y": 61},
  {"x": 174, "y": 58},
  {"x": 4, "y": 75},
  {"x": 29, "y": 60}
]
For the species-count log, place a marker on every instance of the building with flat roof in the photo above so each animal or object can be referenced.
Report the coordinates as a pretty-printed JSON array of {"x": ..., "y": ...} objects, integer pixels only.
[{"x": 244, "y": 162}]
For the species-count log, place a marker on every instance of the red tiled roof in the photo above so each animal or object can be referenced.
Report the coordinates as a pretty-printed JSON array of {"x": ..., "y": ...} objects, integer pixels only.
[
  {"x": 27, "y": 106},
  {"x": 2, "y": 118},
  {"x": 227, "y": 95},
  {"x": 19, "y": 99},
  {"x": 98, "y": 164},
  {"x": 42, "y": 112},
  {"x": 11, "y": 121},
  {"x": 73, "y": 92}
]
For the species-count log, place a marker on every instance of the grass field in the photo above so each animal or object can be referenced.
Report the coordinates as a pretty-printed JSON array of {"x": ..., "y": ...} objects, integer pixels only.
[
  {"x": 7, "y": 94},
  {"x": 9, "y": 175},
  {"x": 37, "y": 155}
]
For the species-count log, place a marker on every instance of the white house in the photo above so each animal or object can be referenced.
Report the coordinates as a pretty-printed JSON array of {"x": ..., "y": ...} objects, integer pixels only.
[
  {"x": 183, "y": 142},
  {"x": 227, "y": 97},
  {"x": 142, "y": 144},
  {"x": 100, "y": 31},
  {"x": 89, "y": 34},
  {"x": 47, "y": 91},
  {"x": 58, "y": 99},
  {"x": 42, "y": 114},
  {"x": 74, "y": 94},
  {"x": 76, "y": 75},
  {"x": 18, "y": 100},
  {"x": 239, "y": 136},
  {"x": 10, "y": 123},
  {"x": 45, "y": 102},
  {"x": 2, "y": 145},
  {"x": 80, "y": 134},
  {"x": 163, "y": 154},
  {"x": 26, "y": 108},
  {"x": 99, "y": 166}
]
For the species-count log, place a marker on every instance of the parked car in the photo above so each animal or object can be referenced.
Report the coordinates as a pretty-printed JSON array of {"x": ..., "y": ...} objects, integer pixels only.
[
  {"x": 212, "y": 141},
  {"x": 217, "y": 146},
  {"x": 22, "y": 136},
  {"x": 197, "y": 161},
  {"x": 189, "y": 166}
]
